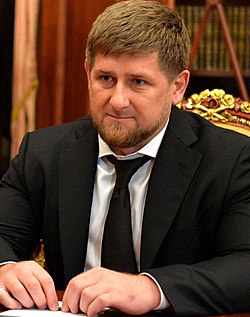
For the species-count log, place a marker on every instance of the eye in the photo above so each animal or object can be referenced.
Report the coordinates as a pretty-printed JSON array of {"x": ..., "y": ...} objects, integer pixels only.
[
  {"x": 139, "y": 82},
  {"x": 106, "y": 78}
]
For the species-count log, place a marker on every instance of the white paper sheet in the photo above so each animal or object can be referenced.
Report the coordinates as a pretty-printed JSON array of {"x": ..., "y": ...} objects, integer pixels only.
[{"x": 37, "y": 312}]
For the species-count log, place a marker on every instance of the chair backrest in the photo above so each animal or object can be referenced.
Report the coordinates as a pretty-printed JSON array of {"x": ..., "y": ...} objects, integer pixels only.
[
  {"x": 222, "y": 109},
  {"x": 38, "y": 254}
]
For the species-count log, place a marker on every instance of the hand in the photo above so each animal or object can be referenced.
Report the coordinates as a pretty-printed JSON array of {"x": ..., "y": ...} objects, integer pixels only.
[
  {"x": 27, "y": 284},
  {"x": 99, "y": 288}
]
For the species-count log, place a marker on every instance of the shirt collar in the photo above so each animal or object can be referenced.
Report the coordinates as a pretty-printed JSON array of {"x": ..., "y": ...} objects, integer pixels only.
[{"x": 150, "y": 149}]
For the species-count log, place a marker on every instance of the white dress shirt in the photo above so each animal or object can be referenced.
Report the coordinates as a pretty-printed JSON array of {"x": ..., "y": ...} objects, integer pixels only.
[{"x": 103, "y": 188}]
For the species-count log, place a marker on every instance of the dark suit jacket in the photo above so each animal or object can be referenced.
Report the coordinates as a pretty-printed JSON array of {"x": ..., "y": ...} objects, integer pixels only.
[{"x": 196, "y": 226}]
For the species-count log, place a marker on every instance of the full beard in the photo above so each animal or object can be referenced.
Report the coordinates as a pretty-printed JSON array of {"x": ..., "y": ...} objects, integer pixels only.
[{"x": 118, "y": 137}]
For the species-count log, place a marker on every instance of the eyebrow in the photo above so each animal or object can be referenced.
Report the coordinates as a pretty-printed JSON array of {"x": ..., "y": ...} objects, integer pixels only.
[
  {"x": 140, "y": 75},
  {"x": 137, "y": 75},
  {"x": 102, "y": 71}
]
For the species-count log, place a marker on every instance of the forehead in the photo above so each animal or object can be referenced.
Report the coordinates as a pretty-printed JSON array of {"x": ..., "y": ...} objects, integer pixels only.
[{"x": 139, "y": 61}]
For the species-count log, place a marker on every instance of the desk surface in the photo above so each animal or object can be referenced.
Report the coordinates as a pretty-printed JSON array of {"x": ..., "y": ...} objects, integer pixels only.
[{"x": 119, "y": 314}]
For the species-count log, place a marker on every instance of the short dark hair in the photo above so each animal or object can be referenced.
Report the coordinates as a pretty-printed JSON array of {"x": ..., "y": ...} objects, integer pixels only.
[{"x": 141, "y": 26}]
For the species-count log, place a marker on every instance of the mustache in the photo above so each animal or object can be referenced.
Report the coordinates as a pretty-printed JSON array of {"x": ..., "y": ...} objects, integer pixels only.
[{"x": 117, "y": 113}]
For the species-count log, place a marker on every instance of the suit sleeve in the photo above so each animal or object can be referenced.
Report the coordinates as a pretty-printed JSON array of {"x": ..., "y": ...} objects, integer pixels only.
[
  {"x": 220, "y": 284},
  {"x": 19, "y": 233}
]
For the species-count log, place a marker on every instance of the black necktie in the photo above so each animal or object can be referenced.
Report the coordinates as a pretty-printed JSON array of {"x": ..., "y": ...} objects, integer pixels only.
[{"x": 117, "y": 244}]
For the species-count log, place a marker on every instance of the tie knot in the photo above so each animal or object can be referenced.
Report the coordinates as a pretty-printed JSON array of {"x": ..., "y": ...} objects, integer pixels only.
[{"x": 126, "y": 168}]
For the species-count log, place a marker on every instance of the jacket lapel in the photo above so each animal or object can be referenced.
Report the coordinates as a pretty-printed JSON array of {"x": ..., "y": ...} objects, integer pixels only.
[
  {"x": 77, "y": 168},
  {"x": 172, "y": 173}
]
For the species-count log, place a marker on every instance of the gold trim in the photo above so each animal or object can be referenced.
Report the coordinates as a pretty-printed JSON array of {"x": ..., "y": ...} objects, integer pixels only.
[{"x": 219, "y": 107}]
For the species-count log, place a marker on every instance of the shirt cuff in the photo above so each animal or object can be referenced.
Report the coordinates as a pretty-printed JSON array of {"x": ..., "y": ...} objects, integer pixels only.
[
  {"x": 7, "y": 262},
  {"x": 164, "y": 304}
]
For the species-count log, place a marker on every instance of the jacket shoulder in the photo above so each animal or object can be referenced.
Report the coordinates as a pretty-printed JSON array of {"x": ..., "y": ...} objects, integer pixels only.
[
  {"x": 67, "y": 131},
  {"x": 183, "y": 123}
]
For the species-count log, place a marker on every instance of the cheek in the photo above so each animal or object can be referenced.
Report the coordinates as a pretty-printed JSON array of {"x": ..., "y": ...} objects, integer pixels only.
[
  {"x": 97, "y": 97},
  {"x": 146, "y": 115},
  {"x": 155, "y": 106},
  {"x": 156, "y": 112}
]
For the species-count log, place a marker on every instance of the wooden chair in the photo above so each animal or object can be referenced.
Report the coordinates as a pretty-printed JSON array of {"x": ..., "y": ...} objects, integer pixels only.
[
  {"x": 38, "y": 255},
  {"x": 222, "y": 109}
]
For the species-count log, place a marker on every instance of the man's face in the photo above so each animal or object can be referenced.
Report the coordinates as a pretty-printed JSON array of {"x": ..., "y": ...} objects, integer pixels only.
[{"x": 130, "y": 99}]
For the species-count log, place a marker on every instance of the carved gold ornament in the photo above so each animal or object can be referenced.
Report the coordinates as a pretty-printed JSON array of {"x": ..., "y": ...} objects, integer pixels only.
[{"x": 216, "y": 105}]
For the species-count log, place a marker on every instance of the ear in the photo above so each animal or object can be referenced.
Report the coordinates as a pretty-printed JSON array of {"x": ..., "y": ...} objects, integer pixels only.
[
  {"x": 86, "y": 66},
  {"x": 180, "y": 84}
]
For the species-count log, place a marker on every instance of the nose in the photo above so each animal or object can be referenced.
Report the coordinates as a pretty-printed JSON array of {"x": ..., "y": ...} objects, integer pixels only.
[{"x": 119, "y": 97}]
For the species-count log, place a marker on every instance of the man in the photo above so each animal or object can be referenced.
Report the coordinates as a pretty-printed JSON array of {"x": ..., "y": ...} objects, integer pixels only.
[{"x": 190, "y": 205}]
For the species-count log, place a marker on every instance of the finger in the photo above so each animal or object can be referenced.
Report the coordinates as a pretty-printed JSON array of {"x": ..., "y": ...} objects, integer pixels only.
[
  {"x": 99, "y": 304},
  {"x": 48, "y": 288},
  {"x": 8, "y": 301},
  {"x": 28, "y": 290},
  {"x": 65, "y": 306},
  {"x": 77, "y": 285},
  {"x": 71, "y": 300},
  {"x": 10, "y": 274},
  {"x": 71, "y": 297},
  {"x": 30, "y": 285},
  {"x": 39, "y": 285},
  {"x": 90, "y": 294},
  {"x": 51, "y": 296},
  {"x": 19, "y": 292}
]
